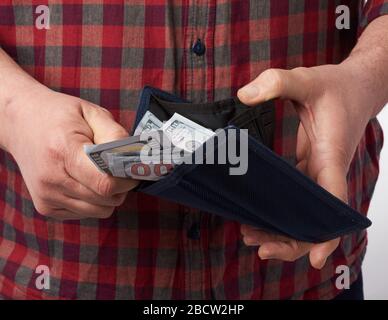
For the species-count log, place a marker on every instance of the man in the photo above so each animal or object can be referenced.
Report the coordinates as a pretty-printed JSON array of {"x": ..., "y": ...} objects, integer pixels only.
[{"x": 99, "y": 241}]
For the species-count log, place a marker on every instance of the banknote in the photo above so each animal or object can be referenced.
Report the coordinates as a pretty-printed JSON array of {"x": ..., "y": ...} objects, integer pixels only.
[
  {"x": 148, "y": 123},
  {"x": 131, "y": 146},
  {"x": 185, "y": 134},
  {"x": 136, "y": 168},
  {"x": 98, "y": 153},
  {"x": 151, "y": 152}
]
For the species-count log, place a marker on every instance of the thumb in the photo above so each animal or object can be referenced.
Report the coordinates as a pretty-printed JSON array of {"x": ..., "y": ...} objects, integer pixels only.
[
  {"x": 102, "y": 123},
  {"x": 277, "y": 83}
]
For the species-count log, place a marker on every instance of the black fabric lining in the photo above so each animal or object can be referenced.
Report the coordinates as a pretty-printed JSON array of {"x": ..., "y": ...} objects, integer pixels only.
[{"x": 260, "y": 120}]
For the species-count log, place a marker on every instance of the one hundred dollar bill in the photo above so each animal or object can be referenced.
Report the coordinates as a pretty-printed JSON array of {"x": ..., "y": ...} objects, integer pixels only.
[
  {"x": 133, "y": 167},
  {"x": 128, "y": 147},
  {"x": 148, "y": 123},
  {"x": 158, "y": 141},
  {"x": 186, "y": 134}
]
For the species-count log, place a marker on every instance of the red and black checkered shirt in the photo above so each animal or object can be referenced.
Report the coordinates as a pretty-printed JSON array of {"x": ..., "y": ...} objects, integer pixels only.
[{"x": 105, "y": 52}]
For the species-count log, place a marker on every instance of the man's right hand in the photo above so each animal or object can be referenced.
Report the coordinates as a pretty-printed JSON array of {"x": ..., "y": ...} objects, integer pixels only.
[{"x": 45, "y": 131}]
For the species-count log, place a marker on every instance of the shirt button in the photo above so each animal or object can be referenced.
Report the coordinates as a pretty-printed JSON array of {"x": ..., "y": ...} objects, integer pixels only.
[
  {"x": 194, "y": 232},
  {"x": 199, "y": 48}
]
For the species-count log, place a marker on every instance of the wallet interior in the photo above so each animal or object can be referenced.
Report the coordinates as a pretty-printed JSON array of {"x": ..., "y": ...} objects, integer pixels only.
[{"x": 259, "y": 121}]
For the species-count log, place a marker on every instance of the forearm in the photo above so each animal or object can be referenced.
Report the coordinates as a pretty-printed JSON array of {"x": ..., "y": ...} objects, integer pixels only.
[
  {"x": 14, "y": 82},
  {"x": 368, "y": 65}
]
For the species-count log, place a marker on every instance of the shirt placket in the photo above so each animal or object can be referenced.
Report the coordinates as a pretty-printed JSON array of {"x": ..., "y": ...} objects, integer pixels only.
[{"x": 198, "y": 71}]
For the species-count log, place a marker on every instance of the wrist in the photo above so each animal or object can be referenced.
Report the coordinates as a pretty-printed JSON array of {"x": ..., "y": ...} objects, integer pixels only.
[
  {"x": 14, "y": 83},
  {"x": 367, "y": 78},
  {"x": 16, "y": 98}
]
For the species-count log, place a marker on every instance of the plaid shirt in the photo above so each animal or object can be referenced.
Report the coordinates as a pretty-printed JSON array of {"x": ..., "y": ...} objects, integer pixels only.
[{"x": 105, "y": 52}]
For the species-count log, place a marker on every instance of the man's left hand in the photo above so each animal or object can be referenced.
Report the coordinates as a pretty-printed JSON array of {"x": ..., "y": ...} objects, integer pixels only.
[{"x": 332, "y": 106}]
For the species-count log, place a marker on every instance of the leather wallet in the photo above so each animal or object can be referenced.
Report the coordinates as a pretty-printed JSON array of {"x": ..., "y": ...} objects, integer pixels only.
[{"x": 273, "y": 195}]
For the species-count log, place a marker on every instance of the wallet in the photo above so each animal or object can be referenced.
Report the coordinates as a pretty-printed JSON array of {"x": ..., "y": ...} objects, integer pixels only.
[{"x": 272, "y": 195}]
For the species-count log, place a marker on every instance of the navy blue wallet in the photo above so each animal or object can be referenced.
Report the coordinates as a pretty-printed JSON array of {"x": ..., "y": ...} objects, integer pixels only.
[{"x": 272, "y": 195}]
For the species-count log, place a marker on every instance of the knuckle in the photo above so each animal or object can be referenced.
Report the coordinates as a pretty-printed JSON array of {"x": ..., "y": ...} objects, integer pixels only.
[
  {"x": 290, "y": 256},
  {"x": 45, "y": 196},
  {"x": 274, "y": 79},
  {"x": 277, "y": 80},
  {"x": 41, "y": 184},
  {"x": 72, "y": 159},
  {"x": 295, "y": 251},
  {"x": 301, "y": 71},
  {"x": 294, "y": 245},
  {"x": 42, "y": 208},
  {"x": 69, "y": 184},
  {"x": 104, "y": 111},
  {"x": 54, "y": 152},
  {"x": 44, "y": 186},
  {"x": 55, "y": 146},
  {"x": 119, "y": 132},
  {"x": 105, "y": 186},
  {"x": 98, "y": 111}
]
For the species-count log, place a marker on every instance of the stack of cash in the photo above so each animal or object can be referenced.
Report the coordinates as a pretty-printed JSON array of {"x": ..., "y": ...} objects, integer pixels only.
[{"x": 149, "y": 154}]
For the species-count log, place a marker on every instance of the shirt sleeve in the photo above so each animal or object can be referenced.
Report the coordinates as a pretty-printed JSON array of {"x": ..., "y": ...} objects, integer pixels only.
[{"x": 370, "y": 10}]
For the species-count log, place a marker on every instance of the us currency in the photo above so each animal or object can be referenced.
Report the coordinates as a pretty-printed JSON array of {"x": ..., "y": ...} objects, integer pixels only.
[
  {"x": 135, "y": 168},
  {"x": 98, "y": 153},
  {"x": 124, "y": 158},
  {"x": 186, "y": 134},
  {"x": 148, "y": 123},
  {"x": 128, "y": 147}
]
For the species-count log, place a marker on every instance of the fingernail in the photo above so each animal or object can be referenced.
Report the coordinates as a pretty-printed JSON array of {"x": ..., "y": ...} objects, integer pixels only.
[{"x": 249, "y": 92}]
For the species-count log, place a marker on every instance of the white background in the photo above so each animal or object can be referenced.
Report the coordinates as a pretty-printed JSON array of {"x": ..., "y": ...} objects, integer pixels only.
[{"x": 376, "y": 263}]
